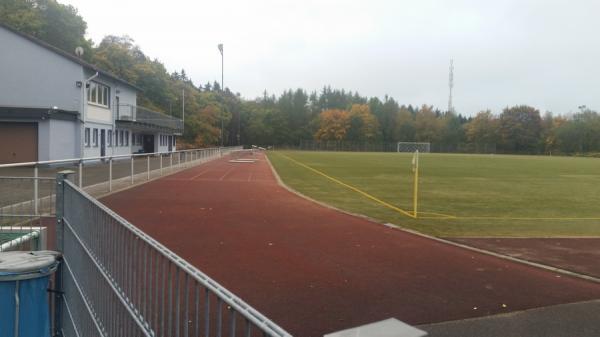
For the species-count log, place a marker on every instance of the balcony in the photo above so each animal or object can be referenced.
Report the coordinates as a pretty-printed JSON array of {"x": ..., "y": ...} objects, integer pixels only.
[{"x": 142, "y": 118}]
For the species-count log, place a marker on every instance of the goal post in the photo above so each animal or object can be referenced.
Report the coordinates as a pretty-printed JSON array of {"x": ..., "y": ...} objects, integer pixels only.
[{"x": 411, "y": 147}]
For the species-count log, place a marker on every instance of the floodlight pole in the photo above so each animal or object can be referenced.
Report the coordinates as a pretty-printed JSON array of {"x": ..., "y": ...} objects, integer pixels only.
[{"x": 220, "y": 46}]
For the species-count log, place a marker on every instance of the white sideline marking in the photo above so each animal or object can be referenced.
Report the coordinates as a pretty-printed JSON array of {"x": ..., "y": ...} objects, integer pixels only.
[
  {"x": 199, "y": 174},
  {"x": 226, "y": 173}
]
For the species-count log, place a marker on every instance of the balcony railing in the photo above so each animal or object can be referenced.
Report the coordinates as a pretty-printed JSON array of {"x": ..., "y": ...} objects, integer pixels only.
[{"x": 133, "y": 113}]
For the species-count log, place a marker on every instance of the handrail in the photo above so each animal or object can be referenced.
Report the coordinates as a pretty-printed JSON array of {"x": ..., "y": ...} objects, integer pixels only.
[
  {"x": 239, "y": 305},
  {"x": 77, "y": 160}
]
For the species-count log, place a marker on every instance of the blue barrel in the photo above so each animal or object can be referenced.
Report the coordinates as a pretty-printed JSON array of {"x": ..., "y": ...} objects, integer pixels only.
[{"x": 24, "y": 307}]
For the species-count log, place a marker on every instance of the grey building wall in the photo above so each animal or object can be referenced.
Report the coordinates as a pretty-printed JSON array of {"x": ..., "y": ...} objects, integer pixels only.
[
  {"x": 63, "y": 139},
  {"x": 57, "y": 139},
  {"x": 32, "y": 76},
  {"x": 44, "y": 141}
]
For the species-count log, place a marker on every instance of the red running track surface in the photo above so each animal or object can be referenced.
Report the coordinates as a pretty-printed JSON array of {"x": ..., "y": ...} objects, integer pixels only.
[{"x": 314, "y": 270}]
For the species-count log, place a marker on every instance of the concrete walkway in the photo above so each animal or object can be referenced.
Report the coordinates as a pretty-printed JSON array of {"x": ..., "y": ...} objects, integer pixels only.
[{"x": 565, "y": 320}]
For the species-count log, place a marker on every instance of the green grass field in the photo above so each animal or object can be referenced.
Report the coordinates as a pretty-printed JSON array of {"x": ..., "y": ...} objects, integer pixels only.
[{"x": 459, "y": 195}]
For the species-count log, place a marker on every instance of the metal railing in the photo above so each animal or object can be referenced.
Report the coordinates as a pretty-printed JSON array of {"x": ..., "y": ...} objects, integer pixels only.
[
  {"x": 23, "y": 223},
  {"x": 127, "y": 112},
  {"x": 27, "y": 198},
  {"x": 118, "y": 281},
  {"x": 97, "y": 175}
]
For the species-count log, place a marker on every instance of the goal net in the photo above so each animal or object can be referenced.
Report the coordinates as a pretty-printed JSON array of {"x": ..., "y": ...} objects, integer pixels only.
[{"x": 412, "y": 147}]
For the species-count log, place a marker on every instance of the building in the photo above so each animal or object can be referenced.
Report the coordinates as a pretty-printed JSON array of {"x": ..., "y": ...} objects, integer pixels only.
[{"x": 54, "y": 105}]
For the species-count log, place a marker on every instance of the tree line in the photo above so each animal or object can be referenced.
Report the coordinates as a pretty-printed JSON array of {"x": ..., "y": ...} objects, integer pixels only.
[{"x": 216, "y": 115}]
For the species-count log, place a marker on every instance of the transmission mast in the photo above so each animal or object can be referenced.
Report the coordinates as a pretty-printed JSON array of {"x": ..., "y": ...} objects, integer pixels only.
[{"x": 451, "y": 86}]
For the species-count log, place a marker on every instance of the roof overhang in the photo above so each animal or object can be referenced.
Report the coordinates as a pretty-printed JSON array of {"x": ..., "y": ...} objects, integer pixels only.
[
  {"x": 33, "y": 114},
  {"x": 138, "y": 126}
]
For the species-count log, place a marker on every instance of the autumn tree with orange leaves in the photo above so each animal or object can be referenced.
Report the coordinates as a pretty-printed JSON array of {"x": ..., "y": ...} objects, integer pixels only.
[{"x": 333, "y": 125}]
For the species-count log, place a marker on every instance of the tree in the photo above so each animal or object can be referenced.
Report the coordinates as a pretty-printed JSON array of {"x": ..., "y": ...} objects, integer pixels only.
[
  {"x": 520, "y": 129},
  {"x": 363, "y": 124},
  {"x": 404, "y": 130},
  {"x": 427, "y": 125},
  {"x": 482, "y": 129},
  {"x": 22, "y": 15},
  {"x": 580, "y": 134},
  {"x": 452, "y": 129},
  {"x": 333, "y": 125},
  {"x": 57, "y": 24}
]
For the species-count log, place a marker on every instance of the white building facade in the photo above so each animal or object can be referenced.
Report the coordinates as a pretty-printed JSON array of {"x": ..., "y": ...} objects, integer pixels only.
[{"x": 55, "y": 106}]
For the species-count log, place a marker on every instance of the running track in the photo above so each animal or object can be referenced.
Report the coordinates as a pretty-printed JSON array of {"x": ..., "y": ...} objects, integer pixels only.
[{"x": 314, "y": 270}]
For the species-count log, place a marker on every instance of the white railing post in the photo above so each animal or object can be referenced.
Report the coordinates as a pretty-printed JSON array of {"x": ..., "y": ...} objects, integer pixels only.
[
  {"x": 36, "y": 196},
  {"x": 80, "y": 173},
  {"x": 160, "y": 161},
  {"x": 132, "y": 169},
  {"x": 171, "y": 162},
  {"x": 148, "y": 167},
  {"x": 110, "y": 174}
]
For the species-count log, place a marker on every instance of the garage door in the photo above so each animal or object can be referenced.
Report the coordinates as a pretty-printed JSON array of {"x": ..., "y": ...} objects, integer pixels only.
[{"x": 18, "y": 142}]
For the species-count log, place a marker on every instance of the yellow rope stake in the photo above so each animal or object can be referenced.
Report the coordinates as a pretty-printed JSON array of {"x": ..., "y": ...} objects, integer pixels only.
[
  {"x": 397, "y": 209},
  {"x": 416, "y": 185}
]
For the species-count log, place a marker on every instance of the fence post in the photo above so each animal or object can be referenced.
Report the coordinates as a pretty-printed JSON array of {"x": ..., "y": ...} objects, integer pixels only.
[
  {"x": 81, "y": 174},
  {"x": 160, "y": 160},
  {"x": 132, "y": 169},
  {"x": 110, "y": 174},
  {"x": 171, "y": 162},
  {"x": 60, "y": 203},
  {"x": 60, "y": 228},
  {"x": 148, "y": 167},
  {"x": 36, "y": 196}
]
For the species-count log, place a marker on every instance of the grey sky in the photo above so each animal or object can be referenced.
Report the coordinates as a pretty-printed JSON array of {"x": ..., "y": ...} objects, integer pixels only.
[{"x": 542, "y": 53}]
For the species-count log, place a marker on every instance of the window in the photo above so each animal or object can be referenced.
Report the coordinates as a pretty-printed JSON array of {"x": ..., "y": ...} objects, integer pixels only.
[
  {"x": 95, "y": 138},
  {"x": 126, "y": 138},
  {"x": 121, "y": 140},
  {"x": 98, "y": 94},
  {"x": 86, "y": 139},
  {"x": 109, "y": 138}
]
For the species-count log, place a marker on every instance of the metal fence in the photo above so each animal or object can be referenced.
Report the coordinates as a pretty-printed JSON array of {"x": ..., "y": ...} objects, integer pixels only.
[
  {"x": 127, "y": 112},
  {"x": 27, "y": 199},
  {"x": 350, "y": 146},
  {"x": 24, "y": 223},
  {"x": 118, "y": 281}
]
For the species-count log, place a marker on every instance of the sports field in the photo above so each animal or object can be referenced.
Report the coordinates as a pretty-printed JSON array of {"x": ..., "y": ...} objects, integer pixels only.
[{"x": 459, "y": 195}]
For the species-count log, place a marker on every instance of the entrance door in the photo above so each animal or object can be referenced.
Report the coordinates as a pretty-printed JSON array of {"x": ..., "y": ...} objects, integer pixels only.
[
  {"x": 102, "y": 143},
  {"x": 148, "y": 143}
]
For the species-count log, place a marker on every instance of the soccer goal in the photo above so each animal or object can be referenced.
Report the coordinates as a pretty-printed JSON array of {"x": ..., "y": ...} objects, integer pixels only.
[{"x": 412, "y": 147}]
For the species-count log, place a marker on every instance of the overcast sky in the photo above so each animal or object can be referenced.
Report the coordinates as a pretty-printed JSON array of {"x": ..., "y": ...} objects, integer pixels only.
[{"x": 541, "y": 53}]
